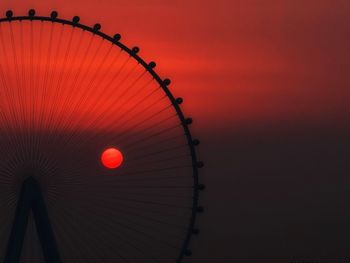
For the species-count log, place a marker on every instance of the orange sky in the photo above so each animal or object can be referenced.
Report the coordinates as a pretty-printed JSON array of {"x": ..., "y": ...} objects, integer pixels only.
[{"x": 234, "y": 62}]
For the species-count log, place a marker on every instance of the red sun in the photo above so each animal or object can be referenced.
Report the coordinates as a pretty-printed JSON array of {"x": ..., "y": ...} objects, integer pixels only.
[{"x": 111, "y": 158}]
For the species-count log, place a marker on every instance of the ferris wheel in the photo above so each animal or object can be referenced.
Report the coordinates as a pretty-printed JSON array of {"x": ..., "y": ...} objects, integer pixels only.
[{"x": 97, "y": 162}]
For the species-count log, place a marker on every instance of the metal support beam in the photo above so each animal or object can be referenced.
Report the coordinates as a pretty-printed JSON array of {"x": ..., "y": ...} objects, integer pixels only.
[{"x": 31, "y": 198}]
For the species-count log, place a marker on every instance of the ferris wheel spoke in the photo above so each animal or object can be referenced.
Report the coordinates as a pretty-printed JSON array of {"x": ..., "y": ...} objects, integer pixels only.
[
  {"x": 107, "y": 109},
  {"x": 51, "y": 78},
  {"x": 80, "y": 97},
  {"x": 153, "y": 135},
  {"x": 90, "y": 85},
  {"x": 176, "y": 158},
  {"x": 9, "y": 202},
  {"x": 65, "y": 94},
  {"x": 61, "y": 77},
  {"x": 71, "y": 234},
  {"x": 123, "y": 257},
  {"x": 151, "y": 203},
  {"x": 142, "y": 146},
  {"x": 149, "y": 210},
  {"x": 70, "y": 106},
  {"x": 134, "y": 193},
  {"x": 151, "y": 178},
  {"x": 134, "y": 219},
  {"x": 134, "y": 215},
  {"x": 23, "y": 95},
  {"x": 154, "y": 126},
  {"x": 101, "y": 115},
  {"x": 75, "y": 132},
  {"x": 135, "y": 230},
  {"x": 43, "y": 88},
  {"x": 139, "y": 103},
  {"x": 64, "y": 78},
  {"x": 140, "y": 112},
  {"x": 161, "y": 151},
  {"x": 16, "y": 124},
  {"x": 149, "y": 118},
  {"x": 85, "y": 139}
]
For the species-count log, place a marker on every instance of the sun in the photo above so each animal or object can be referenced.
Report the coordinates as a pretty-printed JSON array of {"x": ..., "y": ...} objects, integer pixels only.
[{"x": 112, "y": 158}]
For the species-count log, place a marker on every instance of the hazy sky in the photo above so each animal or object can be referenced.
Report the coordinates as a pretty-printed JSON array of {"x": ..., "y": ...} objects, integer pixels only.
[
  {"x": 267, "y": 83},
  {"x": 263, "y": 60}
]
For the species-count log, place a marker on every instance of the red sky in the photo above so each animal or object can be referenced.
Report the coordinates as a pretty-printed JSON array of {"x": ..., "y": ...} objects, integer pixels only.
[{"x": 235, "y": 62}]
